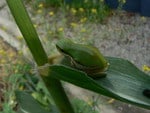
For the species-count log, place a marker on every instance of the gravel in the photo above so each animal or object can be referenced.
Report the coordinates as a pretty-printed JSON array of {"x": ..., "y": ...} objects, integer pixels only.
[{"x": 127, "y": 37}]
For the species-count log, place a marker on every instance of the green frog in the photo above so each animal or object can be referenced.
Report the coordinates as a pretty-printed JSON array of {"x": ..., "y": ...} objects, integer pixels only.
[{"x": 83, "y": 57}]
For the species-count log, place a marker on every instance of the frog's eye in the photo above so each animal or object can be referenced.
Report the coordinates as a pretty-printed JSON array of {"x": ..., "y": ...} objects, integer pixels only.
[{"x": 146, "y": 93}]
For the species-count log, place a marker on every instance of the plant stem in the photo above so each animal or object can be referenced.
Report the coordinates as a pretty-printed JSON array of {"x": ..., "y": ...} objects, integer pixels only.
[
  {"x": 52, "y": 82},
  {"x": 30, "y": 35},
  {"x": 28, "y": 31}
]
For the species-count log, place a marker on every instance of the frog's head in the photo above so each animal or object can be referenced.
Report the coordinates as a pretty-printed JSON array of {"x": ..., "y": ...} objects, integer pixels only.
[{"x": 63, "y": 45}]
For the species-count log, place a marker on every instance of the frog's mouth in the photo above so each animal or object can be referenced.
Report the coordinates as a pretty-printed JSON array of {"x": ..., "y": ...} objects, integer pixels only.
[
  {"x": 59, "y": 49},
  {"x": 62, "y": 51}
]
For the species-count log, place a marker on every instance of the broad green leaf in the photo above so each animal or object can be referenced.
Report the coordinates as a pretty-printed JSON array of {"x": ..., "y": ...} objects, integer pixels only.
[
  {"x": 124, "y": 81},
  {"x": 27, "y": 104}
]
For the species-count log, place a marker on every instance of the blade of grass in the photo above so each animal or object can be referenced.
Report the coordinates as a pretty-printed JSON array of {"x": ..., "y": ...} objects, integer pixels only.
[{"x": 29, "y": 33}]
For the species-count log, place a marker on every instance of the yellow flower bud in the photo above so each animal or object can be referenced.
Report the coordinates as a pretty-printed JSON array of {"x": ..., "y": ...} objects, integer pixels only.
[
  {"x": 82, "y": 20},
  {"x": 81, "y": 9},
  {"x": 94, "y": 11},
  {"x": 123, "y": 1},
  {"x": 146, "y": 68},
  {"x": 73, "y": 11},
  {"x": 83, "y": 30},
  {"x": 2, "y": 52},
  {"x": 143, "y": 18},
  {"x": 60, "y": 29},
  {"x": 39, "y": 11},
  {"x": 41, "y": 5},
  {"x": 51, "y": 13},
  {"x": 11, "y": 55},
  {"x": 35, "y": 26},
  {"x": 73, "y": 24},
  {"x": 2, "y": 61},
  {"x": 19, "y": 37}
]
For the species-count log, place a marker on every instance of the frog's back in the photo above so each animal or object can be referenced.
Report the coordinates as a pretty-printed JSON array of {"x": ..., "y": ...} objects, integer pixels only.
[{"x": 87, "y": 55}]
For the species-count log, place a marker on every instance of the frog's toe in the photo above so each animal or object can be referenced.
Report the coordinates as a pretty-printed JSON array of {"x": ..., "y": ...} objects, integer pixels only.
[{"x": 98, "y": 75}]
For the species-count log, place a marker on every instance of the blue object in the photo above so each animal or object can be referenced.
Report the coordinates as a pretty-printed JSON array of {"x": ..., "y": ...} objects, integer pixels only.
[
  {"x": 112, "y": 3},
  {"x": 145, "y": 7},
  {"x": 130, "y": 5}
]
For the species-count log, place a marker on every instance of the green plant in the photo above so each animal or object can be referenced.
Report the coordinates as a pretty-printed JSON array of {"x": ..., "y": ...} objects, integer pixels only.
[
  {"x": 93, "y": 10},
  {"x": 123, "y": 81},
  {"x": 10, "y": 84}
]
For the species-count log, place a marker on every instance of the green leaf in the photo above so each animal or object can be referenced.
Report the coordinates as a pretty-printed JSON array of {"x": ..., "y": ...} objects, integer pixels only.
[
  {"x": 27, "y": 104},
  {"x": 124, "y": 81},
  {"x": 28, "y": 31}
]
